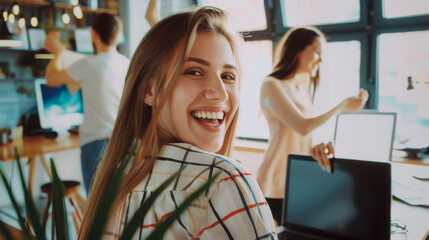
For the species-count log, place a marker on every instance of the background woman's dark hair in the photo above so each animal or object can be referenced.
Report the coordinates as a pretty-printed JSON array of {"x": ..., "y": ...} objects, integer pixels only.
[
  {"x": 289, "y": 47},
  {"x": 107, "y": 26}
]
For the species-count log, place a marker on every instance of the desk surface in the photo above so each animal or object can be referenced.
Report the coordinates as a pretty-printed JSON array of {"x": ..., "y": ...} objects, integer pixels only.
[
  {"x": 416, "y": 218},
  {"x": 39, "y": 145},
  {"x": 418, "y": 161}
]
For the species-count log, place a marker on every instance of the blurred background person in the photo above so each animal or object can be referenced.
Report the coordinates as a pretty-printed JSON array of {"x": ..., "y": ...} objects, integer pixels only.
[{"x": 286, "y": 99}]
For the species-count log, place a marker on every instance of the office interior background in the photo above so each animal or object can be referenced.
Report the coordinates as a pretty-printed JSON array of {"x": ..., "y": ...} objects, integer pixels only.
[{"x": 379, "y": 45}]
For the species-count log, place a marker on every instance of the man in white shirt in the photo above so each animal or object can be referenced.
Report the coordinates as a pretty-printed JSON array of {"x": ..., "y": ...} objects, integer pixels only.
[{"x": 101, "y": 78}]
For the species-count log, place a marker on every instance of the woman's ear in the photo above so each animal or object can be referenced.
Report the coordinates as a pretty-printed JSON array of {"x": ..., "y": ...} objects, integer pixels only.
[{"x": 148, "y": 99}]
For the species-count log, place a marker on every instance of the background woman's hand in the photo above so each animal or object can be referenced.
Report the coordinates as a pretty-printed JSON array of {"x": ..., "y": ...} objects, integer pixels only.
[
  {"x": 356, "y": 103},
  {"x": 321, "y": 153}
]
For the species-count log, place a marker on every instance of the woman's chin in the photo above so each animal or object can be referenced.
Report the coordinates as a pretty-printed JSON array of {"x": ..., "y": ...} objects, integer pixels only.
[{"x": 209, "y": 147}]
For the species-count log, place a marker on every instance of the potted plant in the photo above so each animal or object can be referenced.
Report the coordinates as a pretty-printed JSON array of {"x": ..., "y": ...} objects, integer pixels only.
[{"x": 31, "y": 226}]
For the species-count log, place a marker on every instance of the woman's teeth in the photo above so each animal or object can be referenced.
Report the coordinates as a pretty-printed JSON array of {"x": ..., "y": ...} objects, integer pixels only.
[{"x": 208, "y": 115}]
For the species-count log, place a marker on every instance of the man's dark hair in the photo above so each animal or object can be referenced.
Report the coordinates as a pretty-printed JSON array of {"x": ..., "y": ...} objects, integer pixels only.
[{"x": 107, "y": 26}]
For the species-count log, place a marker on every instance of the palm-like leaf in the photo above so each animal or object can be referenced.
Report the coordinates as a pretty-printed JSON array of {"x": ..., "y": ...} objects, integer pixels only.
[
  {"x": 58, "y": 205},
  {"x": 21, "y": 220},
  {"x": 108, "y": 197},
  {"x": 99, "y": 222},
  {"x": 32, "y": 213},
  {"x": 134, "y": 223}
]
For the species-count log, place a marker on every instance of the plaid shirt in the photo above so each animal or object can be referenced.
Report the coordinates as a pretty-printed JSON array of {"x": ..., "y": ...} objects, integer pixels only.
[{"x": 233, "y": 208}]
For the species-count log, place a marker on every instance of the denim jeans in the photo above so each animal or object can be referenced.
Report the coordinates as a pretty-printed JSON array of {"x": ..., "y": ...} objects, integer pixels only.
[{"x": 91, "y": 154}]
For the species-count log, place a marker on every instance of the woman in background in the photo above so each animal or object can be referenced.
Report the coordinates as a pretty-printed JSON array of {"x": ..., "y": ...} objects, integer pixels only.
[
  {"x": 286, "y": 99},
  {"x": 180, "y": 103}
]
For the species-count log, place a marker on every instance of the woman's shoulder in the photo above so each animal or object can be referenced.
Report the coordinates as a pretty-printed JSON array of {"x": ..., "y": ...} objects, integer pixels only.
[
  {"x": 271, "y": 79},
  {"x": 192, "y": 155},
  {"x": 272, "y": 85}
]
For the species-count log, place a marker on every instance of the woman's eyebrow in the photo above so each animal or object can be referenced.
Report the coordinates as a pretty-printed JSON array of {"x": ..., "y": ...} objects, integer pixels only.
[
  {"x": 204, "y": 62},
  {"x": 198, "y": 60}
]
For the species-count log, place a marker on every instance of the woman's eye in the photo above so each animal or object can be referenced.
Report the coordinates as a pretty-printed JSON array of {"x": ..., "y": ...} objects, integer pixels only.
[
  {"x": 228, "y": 77},
  {"x": 193, "y": 73}
]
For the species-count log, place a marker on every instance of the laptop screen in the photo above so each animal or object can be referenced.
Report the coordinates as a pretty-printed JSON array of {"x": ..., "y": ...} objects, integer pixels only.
[
  {"x": 353, "y": 202},
  {"x": 365, "y": 135}
]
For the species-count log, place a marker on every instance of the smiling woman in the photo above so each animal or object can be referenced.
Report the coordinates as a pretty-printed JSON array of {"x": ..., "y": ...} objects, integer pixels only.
[
  {"x": 205, "y": 88},
  {"x": 180, "y": 104}
]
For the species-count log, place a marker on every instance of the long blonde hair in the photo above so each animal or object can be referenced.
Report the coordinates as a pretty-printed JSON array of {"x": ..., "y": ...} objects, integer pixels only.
[{"x": 171, "y": 37}]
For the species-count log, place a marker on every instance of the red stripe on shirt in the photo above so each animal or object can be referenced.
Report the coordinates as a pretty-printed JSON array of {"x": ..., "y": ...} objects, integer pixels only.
[
  {"x": 149, "y": 225},
  {"x": 230, "y": 215},
  {"x": 111, "y": 234},
  {"x": 234, "y": 176},
  {"x": 154, "y": 224}
]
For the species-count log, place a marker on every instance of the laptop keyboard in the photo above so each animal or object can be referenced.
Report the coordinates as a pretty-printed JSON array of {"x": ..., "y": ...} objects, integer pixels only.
[{"x": 293, "y": 236}]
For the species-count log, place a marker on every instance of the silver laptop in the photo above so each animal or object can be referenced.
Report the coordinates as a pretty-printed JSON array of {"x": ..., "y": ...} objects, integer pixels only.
[
  {"x": 365, "y": 135},
  {"x": 352, "y": 202}
]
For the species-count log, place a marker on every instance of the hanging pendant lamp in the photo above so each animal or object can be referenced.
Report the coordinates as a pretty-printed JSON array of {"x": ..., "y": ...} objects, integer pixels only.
[{"x": 8, "y": 39}]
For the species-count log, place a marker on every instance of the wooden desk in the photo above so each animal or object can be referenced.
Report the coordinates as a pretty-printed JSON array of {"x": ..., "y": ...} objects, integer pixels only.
[
  {"x": 415, "y": 217},
  {"x": 418, "y": 161},
  {"x": 33, "y": 147}
]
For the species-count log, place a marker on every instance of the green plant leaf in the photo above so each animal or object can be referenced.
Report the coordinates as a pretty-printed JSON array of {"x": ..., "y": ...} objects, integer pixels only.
[
  {"x": 21, "y": 220},
  {"x": 162, "y": 228},
  {"x": 108, "y": 198},
  {"x": 32, "y": 213},
  {"x": 141, "y": 212},
  {"x": 59, "y": 210}
]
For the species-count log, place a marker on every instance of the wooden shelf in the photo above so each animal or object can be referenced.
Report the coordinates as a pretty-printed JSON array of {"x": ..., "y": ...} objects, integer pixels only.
[
  {"x": 18, "y": 80},
  {"x": 58, "y": 5},
  {"x": 15, "y": 50},
  {"x": 87, "y": 9},
  {"x": 29, "y": 3}
]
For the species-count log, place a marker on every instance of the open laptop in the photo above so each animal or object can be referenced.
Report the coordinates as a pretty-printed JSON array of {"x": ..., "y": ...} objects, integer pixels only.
[
  {"x": 365, "y": 135},
  {"x": 352, "y": 202}
]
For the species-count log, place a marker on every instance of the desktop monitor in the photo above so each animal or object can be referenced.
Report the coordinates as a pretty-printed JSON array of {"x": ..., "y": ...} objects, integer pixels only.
[
  {"x": 365, "y": 135},
  {"x": 57, "y": 108}
]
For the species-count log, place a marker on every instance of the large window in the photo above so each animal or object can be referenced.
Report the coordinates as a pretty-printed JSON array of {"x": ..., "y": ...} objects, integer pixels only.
[
  {"x": 256, "y": 61},
  {"x": 339, "y": 79},
  {"x": 317, "y": 12},
  {"x": 401, "y": 8},
  {"x": 247, "y": 15},
  {"x": 403, "y": 74}
]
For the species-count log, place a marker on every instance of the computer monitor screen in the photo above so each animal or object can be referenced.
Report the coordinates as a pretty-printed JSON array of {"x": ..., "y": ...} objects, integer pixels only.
[
  {"x": 351, "y": 202},
  {"x": 365, "y": 135},
  {"x": 58, "y": 108}
]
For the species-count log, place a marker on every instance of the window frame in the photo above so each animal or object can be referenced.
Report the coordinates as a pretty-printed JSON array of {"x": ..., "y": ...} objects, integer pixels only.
[
  {"x": 375, "y": 58},
  {"x": 380, "y": 22},
  {"x": 325, "y": 27}
]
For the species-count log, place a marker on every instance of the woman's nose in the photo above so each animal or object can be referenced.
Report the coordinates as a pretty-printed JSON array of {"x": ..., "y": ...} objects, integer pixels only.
[{"x": 215, "y": 89}]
